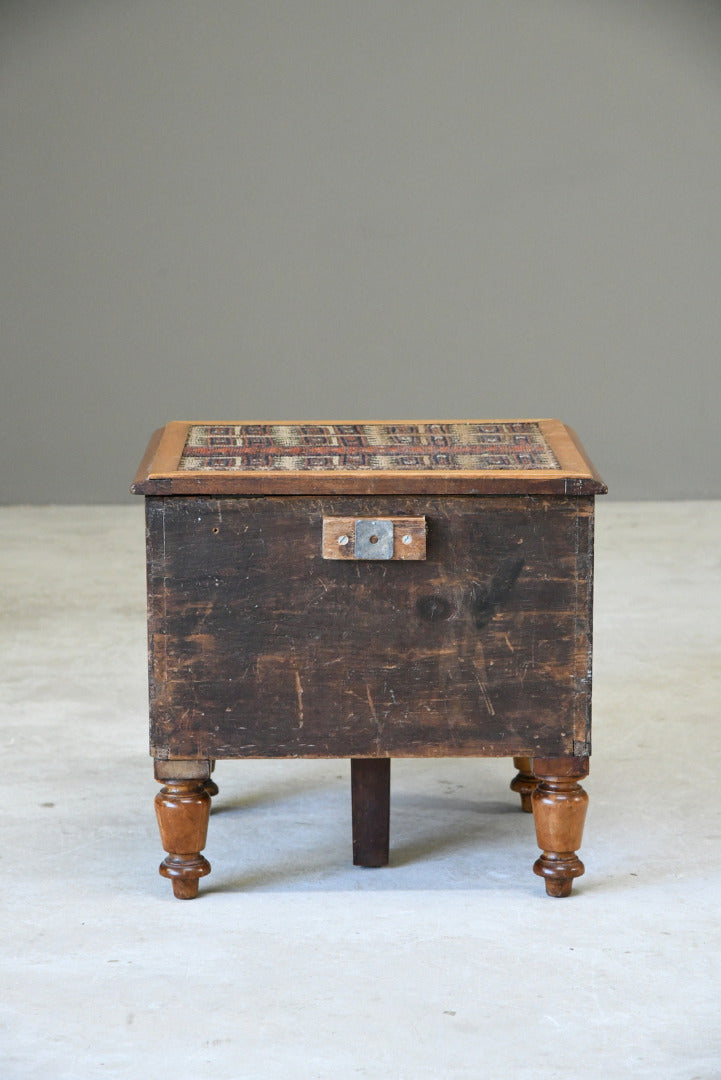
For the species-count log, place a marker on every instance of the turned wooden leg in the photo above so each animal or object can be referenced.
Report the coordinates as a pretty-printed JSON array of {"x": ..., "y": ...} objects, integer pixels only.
[
  {"x": 524, "y": 783},
  {"x": 210, "y": 785},
  {"x": 370, "y": 802},
  {"x": 559, "y": 811},
  {"x": 182, "y": 807}
]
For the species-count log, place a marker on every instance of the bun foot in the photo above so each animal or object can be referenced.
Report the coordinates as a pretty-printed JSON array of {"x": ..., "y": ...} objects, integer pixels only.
[
  {"x": 559, "y": 871},
  {"x": 210, "y": 785},
  {"x": 524, "y": 783},
  {"x": 184, "y": 873}
]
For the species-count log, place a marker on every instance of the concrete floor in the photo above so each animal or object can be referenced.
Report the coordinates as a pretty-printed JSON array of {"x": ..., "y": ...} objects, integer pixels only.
[{"x": 449, "y": 963}]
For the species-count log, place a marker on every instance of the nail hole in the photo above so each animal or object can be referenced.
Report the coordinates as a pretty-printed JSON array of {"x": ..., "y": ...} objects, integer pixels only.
[
  {"x": 373, "y": 539},
  {"x": 216, "y": 529}
]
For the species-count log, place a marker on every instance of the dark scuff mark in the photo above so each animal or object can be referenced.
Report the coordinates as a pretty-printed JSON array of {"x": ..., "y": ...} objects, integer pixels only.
[
  {"x": 433, "y": 608},
  {"x": 488, "y": 597}
]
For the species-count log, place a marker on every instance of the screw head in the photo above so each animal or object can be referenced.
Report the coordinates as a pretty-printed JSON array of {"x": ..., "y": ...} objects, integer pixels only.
[
  {"x": 343, "y": 540},
  {"x": 408, "y": 539}
]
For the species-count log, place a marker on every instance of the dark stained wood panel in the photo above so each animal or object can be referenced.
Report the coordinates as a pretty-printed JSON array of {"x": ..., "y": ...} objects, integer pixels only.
[{"x": 261, "y": 648}]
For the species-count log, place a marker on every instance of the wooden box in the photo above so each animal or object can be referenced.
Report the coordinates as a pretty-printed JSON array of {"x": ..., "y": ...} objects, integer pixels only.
[{"x": 368, "y": 591}]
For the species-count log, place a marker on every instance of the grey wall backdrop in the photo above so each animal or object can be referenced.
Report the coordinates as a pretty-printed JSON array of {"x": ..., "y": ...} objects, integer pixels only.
[{"x": 307, "y": 209}]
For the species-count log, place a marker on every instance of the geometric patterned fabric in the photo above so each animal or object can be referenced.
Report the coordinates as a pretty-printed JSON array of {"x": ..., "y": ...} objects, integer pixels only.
[{"x": 398, "y": 447}]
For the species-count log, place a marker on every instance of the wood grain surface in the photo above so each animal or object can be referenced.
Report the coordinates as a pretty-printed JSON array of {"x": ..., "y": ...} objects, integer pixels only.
[{"x": 261, "y": 648}]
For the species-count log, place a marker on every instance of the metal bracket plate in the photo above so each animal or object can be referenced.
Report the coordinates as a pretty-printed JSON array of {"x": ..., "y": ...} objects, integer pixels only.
[
  {"x": 373, "y": 538},
  {"x": 400, "y": 539}
]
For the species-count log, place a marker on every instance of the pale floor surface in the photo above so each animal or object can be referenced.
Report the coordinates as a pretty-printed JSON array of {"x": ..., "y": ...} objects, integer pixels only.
[{"x": 449, "y": 963}]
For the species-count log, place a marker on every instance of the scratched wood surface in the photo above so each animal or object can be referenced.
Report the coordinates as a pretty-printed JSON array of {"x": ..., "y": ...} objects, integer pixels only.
[{"x": 261, "y": 648}]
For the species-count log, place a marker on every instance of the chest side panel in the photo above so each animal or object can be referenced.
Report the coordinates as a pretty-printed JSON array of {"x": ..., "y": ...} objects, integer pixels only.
[{"x": 261, "y": 648}]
